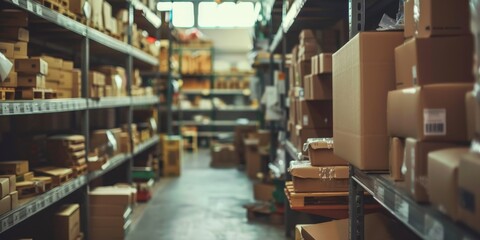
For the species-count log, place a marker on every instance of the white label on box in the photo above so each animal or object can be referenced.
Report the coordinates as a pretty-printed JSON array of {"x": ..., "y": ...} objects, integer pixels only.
[
  {"x": 433, "y": 228},
  {"x": 401, "y": 208},
  {"x": 435, "y": 121},
  {"x": 305, "y": 120}
]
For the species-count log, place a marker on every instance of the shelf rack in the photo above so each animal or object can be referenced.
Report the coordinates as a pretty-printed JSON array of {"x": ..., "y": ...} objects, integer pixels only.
[{"x": 213, "y": 123}]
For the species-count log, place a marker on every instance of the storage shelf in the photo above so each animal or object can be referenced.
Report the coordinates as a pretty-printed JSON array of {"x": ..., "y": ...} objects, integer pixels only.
[
  {"x": 213, "y": 134},
  {"x": 237, "y": 109},
  {"x": 145, "y": 100},
  {"x": 146, "y": 145},
  {"x": 80, "y": 29},
  {"x": 25, "y": 107},
  {"x": 112, "y": 163},
  {"x": 213, "y": 123},
  {"x": 424, "y": 220},
  {"x": 109, "y": 102},
  {"x": 207, "y": 92},
  {"x": 149, "y": 20}
]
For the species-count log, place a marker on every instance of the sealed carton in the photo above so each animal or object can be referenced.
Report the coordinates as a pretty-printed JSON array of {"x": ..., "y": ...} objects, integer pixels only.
[
  {"x": 12, "y": 181},
  {"x": 10, "y": 81},
  {"x": 7, "y": 49},
  {"x": 67, "y": 65},
  {"x": 15, "y": 34},
  {"x": 429, "y": 18},
  {"x": 263, "y": 191},
  {"x": 473, "y": 114},
  {"x": 96, "y": 78},
  {"x": 469, "y": 192},
  {"x": 303, "y": 134},
  {"x": 307, "y": 178},
  {"x": 363, "y": 73},
  {"x": 315, "y": 114},
  {"x": 20, "y": 50},
  {"x": 318, "y": 87},
  {"x": 5, "y": 204},
  {"x": 320, "y": 152},
  {"x": 35, "y": 80},
  {"x": 67, "y": 222},
  {"x": 4, "y": 187},
  {"x": 53, "y": 62},
  {"x": 422, "y": 61},
  {"x": 31, "y": 66},
  {"x": 416, "y": 162},
  {"x": 77, "y": 7},
  {"x": 396, "y": 156},
  {"x": 111, "y": 196},
  {"x": 14, "y": 167},
  {"x": 325, "y": 63},
  {"x": 443, "y": 179},
  {"x": 14, "y": 199},
  {"x": 431, "y": 113},
  {"x": 253, "y": 159}
]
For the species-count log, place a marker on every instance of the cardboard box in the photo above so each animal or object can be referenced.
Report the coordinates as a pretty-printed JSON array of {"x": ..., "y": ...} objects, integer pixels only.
[
  {"x": 443, "y": 179},
  {"x": 111, "y": 233},
  {"x": 315, "y": 114},
  {"x": 110, "y": 211},
  {"x": 13, "y": 18},
  {"x": 53, "y": 62},
  {"x": 320, "y": 152},
  {"x": 426, "y": 61},
  {"x": 263, "y": 191},
  {"x": 107, "y": 15},
  {"x": 223, "y": 155},
  {"x": 14, "y": 167},
  {"x": 77, "y": 7},
  {"x": 473, "y": 115},
  {"x": 7, "y": 49},
  {"x": 469, "y": 193},
  {"x": 303, "y": 134},
  {"x": 325, "y": 63},
  {"x": 431, "y": 113},
  {"x": 35, "y": 80},
  {"x": 12, "y": 182},
  {"x": 5, "y": 204},
  {"x": 15, "y": 34},
  {"x": 4, "y": 187},
  {"x": 318, "y": 87},
  {"x": 416, "y": 162},
  {"x": 107, "y": 222},
  {"x": 64, "y": 93},
  {"x": 52, "y": 84},
  {"x": 10, "y": 81},
  {"x": 66, "y": 222},
  {"x": 97, "y": 13},
  {"x": 14, "y": 199},
  {"x": 96, "y": 78},
  {"x": 307, "y": 178},
  {"x": 118, "y": 196},
  {"x": 253, "y": 161},
  {"x": 304, "y": 68},
  {"x": 363, "y": 73},
  {"x": 396, "y": 156},
  {"x": 31, "y": 66},
  {"x": 67, "y": 65},
  {"x": 66, "y": 80},
  {"x": 436, "y": 18},
  {"x": 20, "y": 50}
]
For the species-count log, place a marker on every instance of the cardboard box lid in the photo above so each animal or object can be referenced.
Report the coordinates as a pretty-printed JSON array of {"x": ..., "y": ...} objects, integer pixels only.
[
  {"x": 303, "y": 169},
  {"x": 68, "y": 210},
  {"x": 318, "y": 143}
]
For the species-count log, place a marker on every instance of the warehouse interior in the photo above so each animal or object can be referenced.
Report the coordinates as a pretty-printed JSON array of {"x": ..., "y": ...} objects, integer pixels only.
[{"x": 239, "y": 119}]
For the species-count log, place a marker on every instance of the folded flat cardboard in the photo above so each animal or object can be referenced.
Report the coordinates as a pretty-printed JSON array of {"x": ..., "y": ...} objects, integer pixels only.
[
  {"x": 12, "y": 181},
  {"x": 6, "y": 48},
  {"x": 303, "y": 134},
  {"x": 363, "y": 73},
  {"x": 318, "y": 87},
  {"x": 20, "y": 50},
  {"x": 14, "y": 167},
  {"x": 14, "y": 199},
  {"x": 473, "y": 114},
  {"x": 307, "y": 178},
  {"x": 15, "y": 34},
  {"x": 320, "y": 153},
  {"x": 469, "y": 193},
  {"x": 13, "y": 18},
  {"x": 4, "y": 187},
  {"x": 315, "y": 114},
  {"x": 31, "y": 66},
  {"x": 422, "y": 61},
  {"x": 432, "y": 113},
  {"x": 416, "y": 162},
  {"x": 443, "y": 179},
  {"x": 396, "y": 156},
  {"x": 325, "y": 63},
  {"x": 436, "y": 18},
  {"x": 67, "y": 222},
  {"x": 5, "y": 204},
  {"x": 35, "y": 80},
  {"x": 263, "y": 191}
]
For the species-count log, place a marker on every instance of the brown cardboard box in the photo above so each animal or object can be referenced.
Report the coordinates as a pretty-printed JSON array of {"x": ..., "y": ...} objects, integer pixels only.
[
  {"x": 469, "y": 193},
  {"x": 31, "y": 66},
  {"x": 53, "y": 62},
  {"x": 107, "y": 15},
  {"x": 320, "y": 153},
  {"x": 319, "y": 87},
  {"x": 96, "y": 17},
  {"x": 67, "y": 65},
  {"x": 5, "y": 204},
  {"x": 304, "y": 68},
  {"x": 66, "y": 80},
  {"x": 35, "y": 80},
  {"x": 325, "y": 63},
  {"x": 12, "y": 182},
  {"x": 15, "y": 34},
  {"x": 263, "y": 191},
  {"x": 434, "y": 60},
  {"x": 307, "y": 178},
  {"x": 443, "y": 179},
  {"x": 7, "y": 49},
  {"x": 4, "y": 187},
  {"x": 303, "y": 134},
  {"x": 14, "y": 199},
  {"x": 223, "y": 155},
  {"x": 111, "y": 196},
  {"x": 436, "y": 18},
  {"x": 14, "y": 167},
  {"x": 315, "y": 64},
  {"x": 64, "y": 93},
  {"x": 96, "y": 78},
  {"x": 54, "y": 75},
  {"x": 253, "y": 160},
  {"x": 51, "y": 84},
  {"x": 315, "y": 114},
  {"x": 77, "y": 7},
  {"x": 67, "y": 222},
  {"x": 473, "y": 114},
  {"x": 109, "y": 211},
  {"x": 13, "y": 18},
  {"x": 396, "y": 156},
  {"x": 293, "y": 110},
  {"x": 111, "y": 233},
  {"x": 10, "y": 81},
  {"x": 363, "y": 73},
  {"x": 107, "y": 221},
  {"x": 416, "y": 162},
  {"x": 432, "y": 113},
  {"x": 20, "y": 50}
]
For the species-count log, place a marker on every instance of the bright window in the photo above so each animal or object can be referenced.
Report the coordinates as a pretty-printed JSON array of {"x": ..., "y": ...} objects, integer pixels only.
[
  {"x": 226, "y": 15},
  {"x": 182, "y": 14}
]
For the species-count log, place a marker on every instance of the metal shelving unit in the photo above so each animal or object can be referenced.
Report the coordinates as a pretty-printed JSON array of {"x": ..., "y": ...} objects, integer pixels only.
[
  {"x": 245, "y": 92},
  {"x": 26, "y": 107},
  {"x": 213, "y": 123}
]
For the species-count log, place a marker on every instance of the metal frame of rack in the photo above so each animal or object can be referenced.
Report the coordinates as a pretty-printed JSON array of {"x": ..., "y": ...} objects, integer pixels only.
[{"x": 83, "y": 105}]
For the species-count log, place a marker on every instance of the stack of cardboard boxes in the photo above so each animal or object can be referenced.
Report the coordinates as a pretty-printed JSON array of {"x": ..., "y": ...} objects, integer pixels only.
[
  {"x": 8, "y": 192},
  {"x": 195, "y": 61},
  {"x": 62, "y": 77},
  {"x": 110, "y": 212},
  {"x": 115, "y": 80},
  {"x": 67, "y": 151},
  {"x": 19, "y": 174},
  {"x": 66, "y": 223}
]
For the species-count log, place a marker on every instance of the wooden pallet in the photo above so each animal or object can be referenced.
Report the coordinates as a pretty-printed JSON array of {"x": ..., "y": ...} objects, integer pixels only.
[
  {"x": 54, "y": 5},
  {"x": 47, "y": 182},
  {"x": 312, "y": 199},
  {"x": 29, "y": 93},
  {"x": 28, "y": 189},
  {"x": 7, "y": 94},
  {"x": 59, "y": 175},
  {"x": 49, "y": 94},
  {"x": 79, "y": 170}
]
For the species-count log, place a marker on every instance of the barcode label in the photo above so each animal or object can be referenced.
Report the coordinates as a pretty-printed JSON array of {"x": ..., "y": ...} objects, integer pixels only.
[{"x": 435, "y": 122}]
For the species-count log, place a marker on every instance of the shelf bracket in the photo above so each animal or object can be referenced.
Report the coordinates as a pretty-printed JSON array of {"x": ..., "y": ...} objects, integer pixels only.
[
  {"x": 355, "y": 208},
  {"x": 356, "y": 16}
]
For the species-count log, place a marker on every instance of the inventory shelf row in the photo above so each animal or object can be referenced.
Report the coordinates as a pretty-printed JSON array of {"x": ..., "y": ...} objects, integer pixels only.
[
  {"x": 227, "y": 109},
  {"x": 34, "y": 205},
  {"x": 207, "y": 92},
  {"x": 81, "y": 29},
  {"x": 214, "y": 123},
  {"x": 25, "y": 107}
]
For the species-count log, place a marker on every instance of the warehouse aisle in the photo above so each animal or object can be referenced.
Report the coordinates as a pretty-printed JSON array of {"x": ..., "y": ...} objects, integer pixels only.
[{"x": 204, "y": 203}]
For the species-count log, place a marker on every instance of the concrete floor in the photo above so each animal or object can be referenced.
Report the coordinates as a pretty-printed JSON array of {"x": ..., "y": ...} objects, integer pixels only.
[{"x": 203, "y": 203}]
